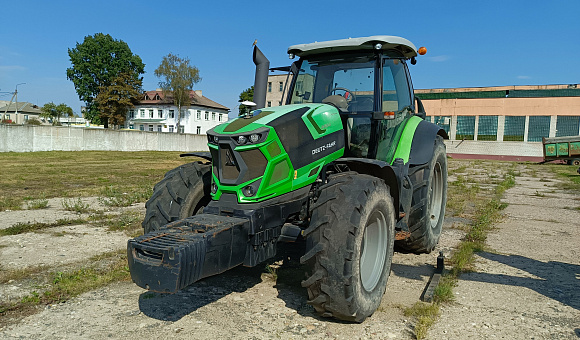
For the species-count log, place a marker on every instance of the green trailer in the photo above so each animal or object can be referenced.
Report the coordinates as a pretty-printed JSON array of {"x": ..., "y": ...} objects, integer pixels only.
[{"x": 562, "y": 148}]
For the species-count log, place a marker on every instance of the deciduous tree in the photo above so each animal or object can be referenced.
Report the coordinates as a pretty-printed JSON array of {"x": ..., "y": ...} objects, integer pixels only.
[
  {"x": 178, "y": 78},
  {"x": 95, "y": 63},
  {"x": 54, "y": 112},
  {"x": 114, "y": 100},
  {"x": 247, "y": 94}
]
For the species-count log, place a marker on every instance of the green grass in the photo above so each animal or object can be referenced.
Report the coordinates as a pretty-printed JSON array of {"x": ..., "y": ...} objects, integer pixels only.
[
  {"x": 61, "y": 286},
  {"x": 81, "y": 174},
  {"x": 38, "y": 203},
  {"x": 112, "y": 196},
  {"x": 21, "y": 228}
]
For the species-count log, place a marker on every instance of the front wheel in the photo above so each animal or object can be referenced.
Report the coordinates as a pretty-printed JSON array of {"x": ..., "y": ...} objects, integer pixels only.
[
  {"x": 349, "y": 246},
  {"x": 183, "y": 192}
]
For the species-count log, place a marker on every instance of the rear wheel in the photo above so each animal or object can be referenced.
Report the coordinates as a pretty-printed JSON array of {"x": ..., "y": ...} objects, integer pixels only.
[
  {"x": 349, "y": 246},
  {"x": 183, "y": 192},
  {"x": 428, "y": 203}
]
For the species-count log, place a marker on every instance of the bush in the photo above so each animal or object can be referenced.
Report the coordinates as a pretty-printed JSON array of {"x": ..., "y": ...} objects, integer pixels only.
[{"x": 33, "y": 121}]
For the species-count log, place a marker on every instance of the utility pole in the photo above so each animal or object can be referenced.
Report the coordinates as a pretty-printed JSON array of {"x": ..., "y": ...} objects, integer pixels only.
[{"x": 16, "y": 94}]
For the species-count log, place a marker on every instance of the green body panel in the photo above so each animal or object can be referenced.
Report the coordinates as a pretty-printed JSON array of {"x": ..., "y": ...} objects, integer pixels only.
[
  {"x": 266, "y": 115},
  {"x": 404, "y": 141},
  {"x": 550, "y": 150},
  {"x": 280, "y": 176},
  {"x": 563, "y": 149},
  {"x": 321, "y": 120}
]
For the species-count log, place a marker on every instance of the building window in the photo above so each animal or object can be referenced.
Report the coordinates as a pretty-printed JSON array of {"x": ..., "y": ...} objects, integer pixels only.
[
  {"x": 150, "y": 127},
  {"x": 487, "y": 128},
  {"x": 132, "y": 127},
  {"x": 142, "y": 127},
  {"x": 465, "y": 128},
  {"x": 25, "y": 117},
  {"x": 150, "y": 113},
  {"x": 142, "y": 113},
  {"x": 198, "y": 114},
  {"x": 199, "y": 130},
  {"x": 539, "y": 127},
  {"x": 159, "y": 113},
  {"x": 171, "y": 114},
  {"x": 170, "y": 128},
  {"x": 220, "y": 117},
  {"x": 213, "y": 116},
  {"x": 514, "y": 128},
  {"x": 131, "y": 114},
  {"x": 565, "y": 126},
  {"x": 181, "y": 128},
  {"x": 281, "y": 86},
  {"x": 206, "y": 115},
  {"x": 269, "y": 104},
  {"x": 269, "y": 86},
  {"x": 158, "y": 128}
]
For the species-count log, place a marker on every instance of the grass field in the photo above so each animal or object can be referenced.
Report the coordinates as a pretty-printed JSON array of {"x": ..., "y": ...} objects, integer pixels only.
[{"x": 33, "y": 175}]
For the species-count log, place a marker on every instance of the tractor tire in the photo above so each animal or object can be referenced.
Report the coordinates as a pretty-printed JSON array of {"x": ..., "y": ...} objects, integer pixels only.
[
  {"x": 349, "y": 246},
  {"x": 574, "y": 162},
  {"x": 183, "y": 192},
  {"x": 428, "y": 202}
]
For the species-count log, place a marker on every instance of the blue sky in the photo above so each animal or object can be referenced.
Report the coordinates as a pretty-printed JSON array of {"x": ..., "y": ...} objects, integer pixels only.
[{"x": 469, "y": 43}]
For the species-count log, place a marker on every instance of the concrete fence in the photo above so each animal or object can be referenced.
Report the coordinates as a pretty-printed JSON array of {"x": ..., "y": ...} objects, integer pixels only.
[{"x": 29, "y": 138}]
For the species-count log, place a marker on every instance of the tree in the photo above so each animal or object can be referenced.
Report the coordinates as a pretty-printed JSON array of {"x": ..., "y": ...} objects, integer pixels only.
[
  {"x": 114, "y": 100},
  {"x": 54, "y": 112},
  {"x": 95, "y": 63},
  {"x": 248, "y": 94},
  {"x": 178, "y": 80}
]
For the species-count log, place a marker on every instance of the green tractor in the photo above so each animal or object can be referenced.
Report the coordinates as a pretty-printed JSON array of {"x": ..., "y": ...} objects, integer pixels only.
[{"x": 347, "y": 169}]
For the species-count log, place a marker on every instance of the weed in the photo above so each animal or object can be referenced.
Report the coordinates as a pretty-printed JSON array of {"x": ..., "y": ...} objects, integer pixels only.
[
  {"x": 273, "y": 272},
  {"x": 21, "y": 228},
  {"x": 76, "y": 205},
  {"x": 115, "y": 197},
  {"x": 38, "y": 203},
  {"x": 425, "y": 315}
]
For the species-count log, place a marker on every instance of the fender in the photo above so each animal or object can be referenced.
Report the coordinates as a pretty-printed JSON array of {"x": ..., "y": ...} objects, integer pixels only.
[
  {"x": 376, "y": 168},
  {"x": 423, "y": 139}
]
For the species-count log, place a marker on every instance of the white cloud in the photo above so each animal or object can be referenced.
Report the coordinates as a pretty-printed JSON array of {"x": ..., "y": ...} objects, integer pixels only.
[
  {"x": 439, "y": 58},
  {"x": 524, "y": 77}
]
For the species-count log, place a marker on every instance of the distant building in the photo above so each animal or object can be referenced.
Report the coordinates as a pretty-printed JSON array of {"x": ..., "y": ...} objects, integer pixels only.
[
  {"x": 156, "y": 112},
  {"x": 505, "y": 113},
  {"x": 275, "y": 89},
  {"x": 18, "y": 113}
]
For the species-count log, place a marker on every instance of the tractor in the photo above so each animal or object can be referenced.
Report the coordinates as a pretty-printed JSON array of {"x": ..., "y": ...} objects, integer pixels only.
[{"x": 347, "y": 170}]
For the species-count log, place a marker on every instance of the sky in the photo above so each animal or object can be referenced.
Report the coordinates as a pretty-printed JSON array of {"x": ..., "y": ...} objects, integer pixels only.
[{"x": 469, "y": 43}]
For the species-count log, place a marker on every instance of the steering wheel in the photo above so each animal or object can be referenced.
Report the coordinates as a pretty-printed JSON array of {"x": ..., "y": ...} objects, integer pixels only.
[{"x": 345, "y": 90}]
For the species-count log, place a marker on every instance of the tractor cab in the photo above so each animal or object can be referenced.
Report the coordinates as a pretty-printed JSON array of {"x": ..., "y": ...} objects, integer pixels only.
[{"x": 366, "y": 79}]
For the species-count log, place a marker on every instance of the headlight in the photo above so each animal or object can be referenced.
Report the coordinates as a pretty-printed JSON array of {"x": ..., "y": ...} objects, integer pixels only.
[
  {"x": 254, "y": 138},
  {"x": 242, "y": 139}
]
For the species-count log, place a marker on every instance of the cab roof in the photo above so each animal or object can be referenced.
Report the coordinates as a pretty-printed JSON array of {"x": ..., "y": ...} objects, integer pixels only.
[{"x": 353, "y": 44}]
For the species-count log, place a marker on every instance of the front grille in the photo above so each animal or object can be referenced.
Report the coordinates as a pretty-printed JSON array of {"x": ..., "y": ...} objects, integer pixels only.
[{"x": 234, "y": 168}]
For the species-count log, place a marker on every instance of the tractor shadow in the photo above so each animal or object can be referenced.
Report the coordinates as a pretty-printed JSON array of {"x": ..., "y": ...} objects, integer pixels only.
[
  {"x": 173, "y": 307},
  {"x": 556, "y": 280}
]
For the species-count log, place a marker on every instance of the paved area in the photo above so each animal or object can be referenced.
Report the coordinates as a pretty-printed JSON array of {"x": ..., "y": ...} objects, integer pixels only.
[{"x": 528, "y": 285}]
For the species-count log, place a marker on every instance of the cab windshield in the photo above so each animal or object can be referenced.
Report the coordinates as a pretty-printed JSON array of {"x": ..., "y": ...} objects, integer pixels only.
[
  {"x": 358, "y": 85},
  {"x": 350, "y": 77}
]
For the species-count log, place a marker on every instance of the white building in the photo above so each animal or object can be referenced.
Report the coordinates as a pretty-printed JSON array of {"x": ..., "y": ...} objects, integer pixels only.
[{"x": 155, "y": 112}]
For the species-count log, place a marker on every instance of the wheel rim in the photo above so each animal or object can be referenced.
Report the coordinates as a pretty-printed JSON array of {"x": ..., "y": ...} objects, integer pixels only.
[
  {"x": 373, "y": 251},
  {"x": 436, "y": 195}
]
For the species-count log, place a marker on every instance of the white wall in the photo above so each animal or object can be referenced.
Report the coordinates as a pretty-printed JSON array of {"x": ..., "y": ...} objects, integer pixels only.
[{"x": 25, "y": 138}]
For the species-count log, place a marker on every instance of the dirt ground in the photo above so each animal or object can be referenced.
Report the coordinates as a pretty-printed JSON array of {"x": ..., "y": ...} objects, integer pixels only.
[{"x": 527, "y": 286}]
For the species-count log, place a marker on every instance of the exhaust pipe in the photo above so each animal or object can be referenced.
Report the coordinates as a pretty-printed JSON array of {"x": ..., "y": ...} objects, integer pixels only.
[{"x": 261, "y": 80}]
